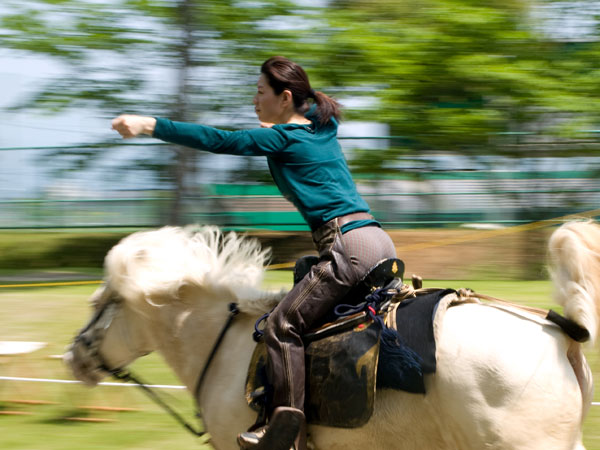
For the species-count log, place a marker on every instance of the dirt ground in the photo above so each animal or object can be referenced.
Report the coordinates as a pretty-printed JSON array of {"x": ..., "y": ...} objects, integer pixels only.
[
  {"x": 432, "y": 253},
  {"x": 445, "y": 254}
]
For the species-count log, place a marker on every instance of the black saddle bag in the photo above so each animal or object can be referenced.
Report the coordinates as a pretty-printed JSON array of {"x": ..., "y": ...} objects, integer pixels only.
[{"x": 341, "y": 371}]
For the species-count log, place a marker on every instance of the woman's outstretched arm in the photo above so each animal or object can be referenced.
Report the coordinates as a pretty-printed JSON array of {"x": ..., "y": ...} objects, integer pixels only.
[{"x": 260, "y": 141}]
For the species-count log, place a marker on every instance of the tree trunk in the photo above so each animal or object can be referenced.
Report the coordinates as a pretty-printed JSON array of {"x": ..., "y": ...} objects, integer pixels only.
[{"x": 183, "y": 161}]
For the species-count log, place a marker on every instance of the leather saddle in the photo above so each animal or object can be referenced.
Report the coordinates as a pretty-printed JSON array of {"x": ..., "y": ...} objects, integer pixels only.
[{"x": 341, "y": 356}]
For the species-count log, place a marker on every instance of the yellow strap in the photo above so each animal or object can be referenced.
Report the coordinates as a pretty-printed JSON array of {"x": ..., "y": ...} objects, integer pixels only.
[{"x": 63, "y": 283}]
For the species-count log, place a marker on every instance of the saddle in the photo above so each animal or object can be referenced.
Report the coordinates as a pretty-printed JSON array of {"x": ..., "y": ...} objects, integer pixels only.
[{"x": 341, "y": 356}]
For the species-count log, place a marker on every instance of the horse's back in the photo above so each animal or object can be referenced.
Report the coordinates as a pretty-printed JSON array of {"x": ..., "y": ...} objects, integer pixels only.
[{"x": 504, "y": 380}]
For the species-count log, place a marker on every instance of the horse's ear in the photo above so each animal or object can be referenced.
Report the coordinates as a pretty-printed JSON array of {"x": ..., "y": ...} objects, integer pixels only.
[
  {"x": 189, "y": 293},
  {"x": 180, "y": 293},
  {"x": 184, "y": 292}
]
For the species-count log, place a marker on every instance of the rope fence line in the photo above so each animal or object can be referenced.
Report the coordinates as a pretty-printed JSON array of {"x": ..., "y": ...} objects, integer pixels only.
[
  {"x": 152, "y": 142},
  {"x": 57, "y": 283},
  {"x": 50, "y": 380},
  {"x": 149, "y": 142},
  {"x": 502, "y": 231},
  {"x": 412, "y": 247},
  {"x": 157, "y": 386},
  {"x": 480, "y": 235}
]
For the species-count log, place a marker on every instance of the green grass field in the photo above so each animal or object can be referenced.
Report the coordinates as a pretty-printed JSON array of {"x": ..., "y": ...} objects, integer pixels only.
[{"x": 54, "y": 314}]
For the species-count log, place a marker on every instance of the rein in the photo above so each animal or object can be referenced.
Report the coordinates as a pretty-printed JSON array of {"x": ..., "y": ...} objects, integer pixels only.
[{"x": 126, "y": 375}]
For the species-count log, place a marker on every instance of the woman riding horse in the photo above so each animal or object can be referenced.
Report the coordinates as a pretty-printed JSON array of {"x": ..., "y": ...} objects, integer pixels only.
[{"x": 299, "y": 139}]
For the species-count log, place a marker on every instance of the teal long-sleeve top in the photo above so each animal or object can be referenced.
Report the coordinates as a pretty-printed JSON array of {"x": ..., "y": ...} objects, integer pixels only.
[{"x": 305, "y": 161}]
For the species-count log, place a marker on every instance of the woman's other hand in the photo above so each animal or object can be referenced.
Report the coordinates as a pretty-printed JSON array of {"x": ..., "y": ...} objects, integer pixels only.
[{"x": 130, "y": 126}]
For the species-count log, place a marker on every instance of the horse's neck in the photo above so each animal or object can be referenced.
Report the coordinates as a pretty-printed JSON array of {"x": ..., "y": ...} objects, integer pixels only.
[
  {"x": 190, "y": 335},
  {"x": 222, "y": 397}
]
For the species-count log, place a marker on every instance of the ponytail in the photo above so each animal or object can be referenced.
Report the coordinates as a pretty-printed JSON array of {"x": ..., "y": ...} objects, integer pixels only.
[{"x": 327, "y": 108}]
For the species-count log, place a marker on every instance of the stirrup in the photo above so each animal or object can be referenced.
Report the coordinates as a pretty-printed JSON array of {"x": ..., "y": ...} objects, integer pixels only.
[
  {"x": 250, "y": 439},
  {"x": 285, "y": 431}
]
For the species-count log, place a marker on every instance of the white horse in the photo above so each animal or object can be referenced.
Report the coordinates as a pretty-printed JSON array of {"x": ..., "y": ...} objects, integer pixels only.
[{"x": 505, "y": 379}]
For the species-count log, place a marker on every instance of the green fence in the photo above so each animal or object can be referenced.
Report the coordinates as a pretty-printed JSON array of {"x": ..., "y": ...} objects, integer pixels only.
[{"x": 431, "y": 200}]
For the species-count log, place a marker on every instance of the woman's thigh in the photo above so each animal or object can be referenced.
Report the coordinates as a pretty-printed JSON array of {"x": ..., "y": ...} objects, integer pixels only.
[{"x": 366, "y": 246}]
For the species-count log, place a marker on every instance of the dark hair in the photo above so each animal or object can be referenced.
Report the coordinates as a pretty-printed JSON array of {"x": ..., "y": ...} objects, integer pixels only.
[{"x": 284, "y": 74}]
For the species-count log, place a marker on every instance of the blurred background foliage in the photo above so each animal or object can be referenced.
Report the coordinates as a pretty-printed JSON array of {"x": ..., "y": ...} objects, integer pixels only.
[
  {"x": 466, "y": 77},
  {"x": 448, "y": 74}
]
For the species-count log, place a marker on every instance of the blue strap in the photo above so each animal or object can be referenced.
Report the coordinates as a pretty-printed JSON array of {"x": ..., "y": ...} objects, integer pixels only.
[
  {"x": 344, "y": 310},
  {"x": 371, "y": 304},
  {"x": 258, "y": 333}
]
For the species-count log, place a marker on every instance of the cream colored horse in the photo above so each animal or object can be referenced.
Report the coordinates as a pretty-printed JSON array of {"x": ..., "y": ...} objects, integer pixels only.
[{"x": 504, "y": 380}]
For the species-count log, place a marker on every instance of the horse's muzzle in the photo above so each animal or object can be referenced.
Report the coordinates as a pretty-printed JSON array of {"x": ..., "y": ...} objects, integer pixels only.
[{"x": 84, "y": 365}]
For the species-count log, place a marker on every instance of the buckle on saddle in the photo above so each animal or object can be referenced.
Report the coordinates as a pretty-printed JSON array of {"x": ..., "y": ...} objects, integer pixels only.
[{"x": 382, "y": 273}]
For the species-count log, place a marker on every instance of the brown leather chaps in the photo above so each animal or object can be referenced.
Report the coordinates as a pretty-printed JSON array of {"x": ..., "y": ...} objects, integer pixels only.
[{"x": 343, "y": 261}]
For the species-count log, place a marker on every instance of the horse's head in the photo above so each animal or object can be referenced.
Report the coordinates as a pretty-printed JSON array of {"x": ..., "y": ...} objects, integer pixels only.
[
  {"x": 113, "y": 338},
  {"x": 160, "y": 286}
]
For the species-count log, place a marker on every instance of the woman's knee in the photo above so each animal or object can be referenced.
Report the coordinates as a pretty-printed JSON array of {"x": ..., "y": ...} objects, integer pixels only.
[
  {"x": 277, "y": 325},
  {"x": 272, "y": 328}
]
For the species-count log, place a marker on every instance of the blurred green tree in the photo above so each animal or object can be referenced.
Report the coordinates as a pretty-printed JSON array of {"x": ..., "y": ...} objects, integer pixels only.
[
  {"x": 184, "y": 59},
  {"x": 462, "y": 75}
]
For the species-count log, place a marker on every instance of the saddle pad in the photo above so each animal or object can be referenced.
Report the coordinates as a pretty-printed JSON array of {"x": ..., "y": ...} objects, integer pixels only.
[
  {"x": 340, "y": 376},
  {"x": 413, "y": 320},
  {"x": 340, "y": 373}
]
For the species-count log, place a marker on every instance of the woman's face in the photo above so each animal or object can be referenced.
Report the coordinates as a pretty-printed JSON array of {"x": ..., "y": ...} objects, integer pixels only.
[{"x": 268, "y": 106}]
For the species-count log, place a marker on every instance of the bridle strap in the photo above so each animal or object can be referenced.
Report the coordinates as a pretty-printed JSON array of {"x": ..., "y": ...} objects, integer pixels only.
[
  {"x": 125, "y": 375},
  {"x": 120, "y": 373},
  {"x": 233, "y": 311}
]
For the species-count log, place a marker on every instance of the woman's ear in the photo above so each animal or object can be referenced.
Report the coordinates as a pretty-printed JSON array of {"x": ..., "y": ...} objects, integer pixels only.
[{"x": 287, "y": 98}]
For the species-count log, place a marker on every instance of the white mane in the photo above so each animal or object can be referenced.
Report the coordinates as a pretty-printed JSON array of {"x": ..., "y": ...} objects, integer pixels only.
[{"x": 157, "y": 264}]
